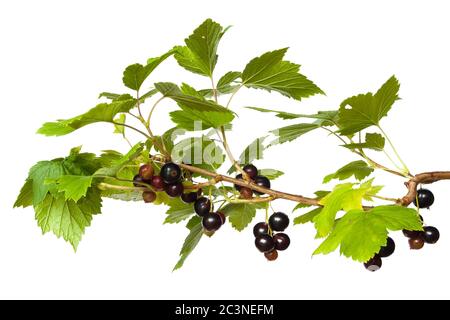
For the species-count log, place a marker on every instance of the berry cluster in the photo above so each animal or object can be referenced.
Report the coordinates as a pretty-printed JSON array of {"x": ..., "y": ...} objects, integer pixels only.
[
  {"x": 211, "y": 220},
  {"x": 416, "y": 239},
  {"x": 252, "y": 173},
  {"x": 168, "y": 180},
  {"x": 269, "y": 242}
]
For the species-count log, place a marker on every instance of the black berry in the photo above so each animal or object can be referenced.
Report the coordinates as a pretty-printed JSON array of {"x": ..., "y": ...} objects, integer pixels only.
[
  {"x": 238, "y": 187},
  {"x": 261, "y": 228},
  {"x": 146, "y": 171},
  {"x": 189, "y": 197},
  {"x": 262, "y": 182},
  {"x": 138, "y": 181},
  {"x": 250, "y": 170},
  {"x": 430, "y": 234},
  {"x": 202, "y": 206},
  {"x": 264, "y": 243},
  {"x": 211, "y": 222},
  {"x": 411, "y": 233},
  {"x": 148, "y": 196},
  {"x": 416, "y": 243},
  {"x": 174, "y": 189},
  {"x": 388, "y": 249},
  {"x": 158, "y": 183},
  {"x": 271, "y": 255},
  {"x": 282, "y": 241},
  {"x": 246, "y": 193},
  {"x": 278, "y": 221},
  {"x": 170, "y": 172},
  {"x": 222, "y": 216},
  {"x": 425, "y": 198},
  {"x": 374, "y": 263}
]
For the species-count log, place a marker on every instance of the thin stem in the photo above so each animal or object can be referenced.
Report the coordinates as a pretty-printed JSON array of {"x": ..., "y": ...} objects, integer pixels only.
[
  {"x": 214, "y": 89},
  {"x": 107, "y": 186},
  {"x": 134, "y": 116},
  {"x": 384, "y": 198},
  {"x": 363, "y": 155},
  {"x": 153, "y": 109},
  {"x": 138, "y": 103},
  {"x": 232, "y": 96},
  {"x": 405, "y": 167},
  {"x": 335, "y": 134},
  {"x": 226, "y": 146},
  {"x": 132, "y": 128},
  {"x": 391, "y": 160},
  {"x": 253, "y": 200}
]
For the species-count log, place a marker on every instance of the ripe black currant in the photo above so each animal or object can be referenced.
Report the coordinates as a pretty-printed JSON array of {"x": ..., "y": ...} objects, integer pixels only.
[
  {"x": 222, "y": 216},
  {"x": 174, "y": 189},
  {"x": 246, "y": 193},
  {"x": 148, "y": 196},
  {"x": 158, "y": 183},
  {"x": 170, "y": 172},
  {"x": 374, "y": 263},
  {"x": 250, "y": 170},
  {"x": 202, "y": 206},
  {"x": 425, "y": 198},
  {"x": 138, "y": 181},
  {"x": 388, "y": 249},
  {"x": 430, "y": 234},
  {"x": 211, "y": 222},
  {"x": 262, "y": 182},
  {"x": 189, "y": 197},
  {"x": 271, "y": 255},
  {"x": 146, "y": 171},
  {"x": 264, "y": 243},
  {"x": 282, "y": 241},
  {"x": 416, "y": 243},
  {"x": 278, "y": 221},
  {"x": 260, "y": 229},
  {"x": 411, "y": 233},
  {"x": 239, "y": 177}
]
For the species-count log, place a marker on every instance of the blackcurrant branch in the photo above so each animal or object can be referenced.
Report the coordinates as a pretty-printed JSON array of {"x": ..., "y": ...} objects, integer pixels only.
[{"x": 422, "y": 178}]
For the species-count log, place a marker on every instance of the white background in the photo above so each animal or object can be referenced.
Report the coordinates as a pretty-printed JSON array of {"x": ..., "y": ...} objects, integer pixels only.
[{"x": 56, "y": 56}]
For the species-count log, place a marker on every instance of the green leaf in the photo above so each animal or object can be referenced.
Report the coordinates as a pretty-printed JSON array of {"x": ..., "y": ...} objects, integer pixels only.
[
  {"x": 121, "y": 120},
  {"x": 360, "y": 234},
  {"x": 343, "y": 197},
  {"x": 200, "y": 53},
  {"x": 74, "y": 187},
  {"x": 374, "y": 141},
  {"x": 25, "y": 198},
  {"x": 209, "y": 114},
  {"x": 271, "y": 174},
  {"x": 329, "y": 116},
  {"x": 68, "y": 219},
  {"x": 240, "y": 214},
  {"x": 270, "y": 72},
  {"x": 103, "y": 112},
  {"x": 179, "y": 211},
  {"x": 307, "y": 217},
  {"x": 191, "y": 241},
  {"x": 40, "y": 172},
  {"x": 190, "y": 91},
  {"x": 199, "y": 151},
  {"x": 225, "y": 83},
  {"x": 359, "y": 169},
  {"x": 135, "y": 74},
  {"x": 365, "y": 110},
  {"x": 119, "y": 161},
  {"x": 292, "y": 132},
  {"x": 109, "y": 95}
]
